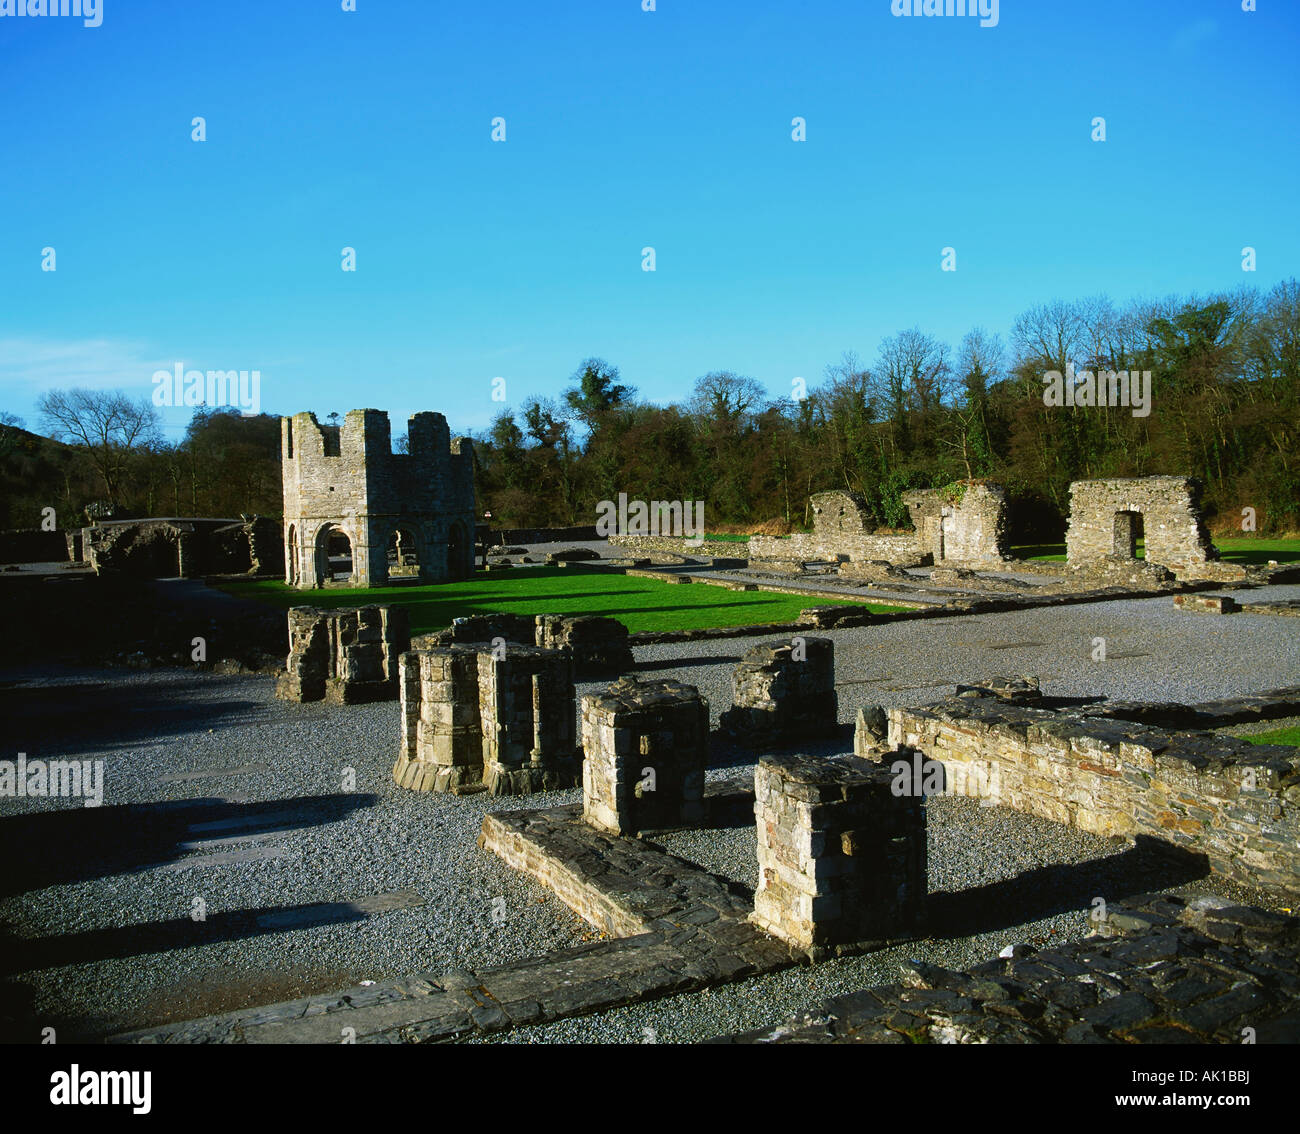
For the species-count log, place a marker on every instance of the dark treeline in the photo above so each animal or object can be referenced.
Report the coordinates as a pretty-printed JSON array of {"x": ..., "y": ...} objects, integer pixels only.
[{"x": 922, "y": 413}]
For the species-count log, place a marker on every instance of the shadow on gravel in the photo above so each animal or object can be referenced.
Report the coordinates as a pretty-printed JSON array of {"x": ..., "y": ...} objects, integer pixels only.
[
  {"x": 1150, "y": 864},
  {"x": 683, "y": 663},
  {"x": 83, "y": 717},
  {"x": 34, "y": 954},
  {"x": 73, "y": 844}
]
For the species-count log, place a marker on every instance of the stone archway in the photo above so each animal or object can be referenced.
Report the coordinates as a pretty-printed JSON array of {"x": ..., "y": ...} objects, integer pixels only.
[
  {"x": 405, "y": 553},
  {"x": 333, "y": 556},
  {"x": 292, "y": 565}
]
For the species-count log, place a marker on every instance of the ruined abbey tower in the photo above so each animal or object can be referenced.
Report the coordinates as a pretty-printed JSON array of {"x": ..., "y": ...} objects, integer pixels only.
[{"x": 358, "y": 514}]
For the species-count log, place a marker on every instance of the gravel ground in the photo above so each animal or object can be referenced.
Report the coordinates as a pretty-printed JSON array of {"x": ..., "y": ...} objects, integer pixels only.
[{"x": 90, "y": 932}]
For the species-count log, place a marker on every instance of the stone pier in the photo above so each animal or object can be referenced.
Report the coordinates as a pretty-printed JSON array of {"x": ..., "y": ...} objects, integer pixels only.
[
  {"x": 495, "y": 719},
  {"x": 842, "y": 859},
  {"x": 784, "y": 692},
  {"x": 526, "y": 712},
  {"x": 646, "y": 747},
  {"x": 347, "y": 657}
]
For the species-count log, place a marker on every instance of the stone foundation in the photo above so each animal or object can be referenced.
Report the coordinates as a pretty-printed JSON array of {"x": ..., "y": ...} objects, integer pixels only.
[
  {"x": 347, "y": 657},
  {"x": 784, "y": 692},
  {"x": 646, "y": 747},
  {"x": 842, "y": 860},
  {"x": 483, "y": 719}
]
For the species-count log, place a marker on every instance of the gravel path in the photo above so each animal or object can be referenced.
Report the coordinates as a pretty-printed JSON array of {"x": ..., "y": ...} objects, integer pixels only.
[{"x": 100, "y": 918}]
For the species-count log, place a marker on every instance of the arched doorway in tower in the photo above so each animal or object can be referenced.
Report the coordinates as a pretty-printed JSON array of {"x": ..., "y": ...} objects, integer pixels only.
[
  {"x": 403, "y": 553},
  {"x": 291, "y": 565},
  {"x": 333, "y": 555}
]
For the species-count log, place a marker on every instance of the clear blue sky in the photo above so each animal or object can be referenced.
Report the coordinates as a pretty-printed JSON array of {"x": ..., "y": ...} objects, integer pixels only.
[{"x": 625, "y": 128}]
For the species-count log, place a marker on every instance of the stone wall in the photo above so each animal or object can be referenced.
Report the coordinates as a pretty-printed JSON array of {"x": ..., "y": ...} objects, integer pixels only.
[
  {"x": 969, "y": 526},
  {"x": 679, "y": 545},
  {"x": 344, "y": 656},
  {"x": 840, "y": 528},
  {"x": 1236, "y": 803},
  {"x": 784, "y": 692},
  {"x": 187, "y": 548},
  {"x": 1103, "y": 522},
  {"x": 499, "y": 719},
  {"x": 645, "y": 748},
  {"x": 842, "y": 860},
  {"x": 349, "y": 480}
]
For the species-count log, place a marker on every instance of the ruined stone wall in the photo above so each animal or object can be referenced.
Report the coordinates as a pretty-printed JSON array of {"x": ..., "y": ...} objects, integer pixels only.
[
  {"x": 679, "y": 545},
  {"x": 368, "y": 492},
  {"x": 784, "y": 692},
  {"x": 839, "y": 529},
  {"x": 1234, "y": 802},
  {"x": 1102, "y": 527},
  {"x": 967, "y": 528}
]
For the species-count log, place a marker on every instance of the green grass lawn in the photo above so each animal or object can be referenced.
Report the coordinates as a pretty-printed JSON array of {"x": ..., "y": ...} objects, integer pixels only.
[
  {"x": 1277, "y": 736},
  {"x": 638, "y": 603},
  {"x": 1231, "y": 550}
]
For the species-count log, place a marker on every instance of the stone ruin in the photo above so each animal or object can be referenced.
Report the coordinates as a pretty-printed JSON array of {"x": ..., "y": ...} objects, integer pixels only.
[
  {"x": 784, "y": 692},
  {"x": 841, "y": 531},
  {"x": 1118, "y": 769},
  {"x": 966, "y": 524},
  {"x": 599, "y": 646},
  {"x": 842, "y": 859},
  {"x": 347, "y": 657},
  {"x": 354, "y": 508},
  {"x": 1105, "y": 517},
  {"x": 646, "y": 747},
  {"x": 186, "y": 548},
  {"x": 500, "y": 720}
]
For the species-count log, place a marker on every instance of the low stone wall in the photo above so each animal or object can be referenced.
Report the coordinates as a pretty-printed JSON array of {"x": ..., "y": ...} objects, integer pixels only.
[
  {"x": 900, "y": 550},
  {"x": 1236, "y": 803},
  {"x": 679, "y": 545},
  {"x": 495, "y": 537}
]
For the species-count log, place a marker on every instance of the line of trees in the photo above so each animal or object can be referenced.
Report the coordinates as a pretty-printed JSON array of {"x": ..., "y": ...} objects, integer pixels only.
[{"x": 1225, "y": 375}]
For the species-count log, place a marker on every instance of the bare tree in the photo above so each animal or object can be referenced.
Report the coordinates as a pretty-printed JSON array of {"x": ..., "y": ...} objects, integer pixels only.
[{"x": 107, "y": 425}]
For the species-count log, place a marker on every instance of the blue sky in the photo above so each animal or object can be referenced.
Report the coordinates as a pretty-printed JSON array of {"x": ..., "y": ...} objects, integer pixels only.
[{"x": 624, "y": 129}]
